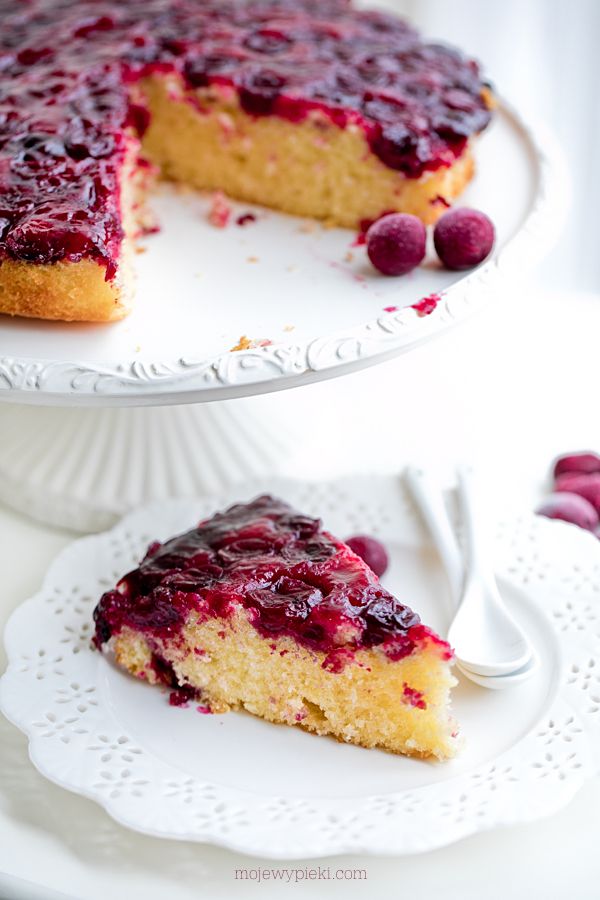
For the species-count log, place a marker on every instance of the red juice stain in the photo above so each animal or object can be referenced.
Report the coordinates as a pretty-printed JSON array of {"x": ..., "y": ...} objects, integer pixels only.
[
  {"x": 182, "y": 696},
  {"x": 426, "y": 305},
  {"x": 363, "y": 226}
]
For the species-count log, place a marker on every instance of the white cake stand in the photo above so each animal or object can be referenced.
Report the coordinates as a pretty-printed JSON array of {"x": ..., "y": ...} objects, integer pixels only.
[{"x": 298, "y": 300}]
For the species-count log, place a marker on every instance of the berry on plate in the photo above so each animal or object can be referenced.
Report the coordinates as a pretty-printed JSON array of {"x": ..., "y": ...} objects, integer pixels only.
[
  {"x": 582, "y": 461},
  {"x": 586, "y": 484},
  {"x": 463, "y": 238},
  {"x": 570, "y": 508},
  {"x": 371, "y": 551},
  {"x": 396, "y": 243}
]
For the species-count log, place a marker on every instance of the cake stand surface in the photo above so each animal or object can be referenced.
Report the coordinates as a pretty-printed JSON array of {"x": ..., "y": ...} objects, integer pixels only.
[{"x": 230, "y": 313}]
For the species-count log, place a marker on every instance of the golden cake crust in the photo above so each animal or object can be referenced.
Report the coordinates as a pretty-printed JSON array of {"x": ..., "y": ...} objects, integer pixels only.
[{"x": 68, "y": 291}]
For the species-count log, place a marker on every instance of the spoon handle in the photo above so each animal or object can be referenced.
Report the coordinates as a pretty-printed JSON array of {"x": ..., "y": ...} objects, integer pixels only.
[
  {"x": 476, "y": 537},
  {"x": 430, "y": 502}
]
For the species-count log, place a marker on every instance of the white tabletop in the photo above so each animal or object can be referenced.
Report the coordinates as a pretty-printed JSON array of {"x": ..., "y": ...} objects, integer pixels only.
[{"x": 508, "y": 390}]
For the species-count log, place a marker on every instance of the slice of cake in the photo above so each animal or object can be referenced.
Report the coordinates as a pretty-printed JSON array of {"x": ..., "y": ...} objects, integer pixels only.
[
  {"x": 306, "y": 106},
  {"x": 259, "y": 608}
]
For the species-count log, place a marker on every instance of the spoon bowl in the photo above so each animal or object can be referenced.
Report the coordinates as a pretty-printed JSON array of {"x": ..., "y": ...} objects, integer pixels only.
[
  {"x": 485, "y": 636},
  {"x": 501, "y": 682}
]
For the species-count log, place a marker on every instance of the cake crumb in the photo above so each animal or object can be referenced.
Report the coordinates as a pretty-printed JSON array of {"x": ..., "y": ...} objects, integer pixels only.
[
  {"x": 288, "y": 327},
  {"x": 307, "y": 227},
  {"x": 488, "y": 98},
  {"x": 140, "y": 249},
  {"x": 252, "y": 259},
  {"x": 349, "y": 256},
  {"x": 246, "y": 343},
  {"x": 220, "y": 210}
]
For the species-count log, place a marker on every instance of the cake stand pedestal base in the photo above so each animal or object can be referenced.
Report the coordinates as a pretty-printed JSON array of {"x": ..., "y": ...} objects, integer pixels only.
[{"x": 82, "y": 469}]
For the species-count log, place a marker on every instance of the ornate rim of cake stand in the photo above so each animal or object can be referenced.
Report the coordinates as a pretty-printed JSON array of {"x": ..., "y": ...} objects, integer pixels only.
[
  {"x": 52, "y": 691},
  {"x": 284, "y": 365}
]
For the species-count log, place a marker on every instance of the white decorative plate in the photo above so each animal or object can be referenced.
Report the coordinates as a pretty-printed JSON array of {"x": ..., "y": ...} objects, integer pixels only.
[
  {"x": 278, "y": 792},
  {"x": 302, "y": 289}
]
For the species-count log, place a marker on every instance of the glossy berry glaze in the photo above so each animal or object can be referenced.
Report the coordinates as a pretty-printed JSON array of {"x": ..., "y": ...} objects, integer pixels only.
[
  {"x": 290, "y": 576},
  {"x": 67, "y": 72}
]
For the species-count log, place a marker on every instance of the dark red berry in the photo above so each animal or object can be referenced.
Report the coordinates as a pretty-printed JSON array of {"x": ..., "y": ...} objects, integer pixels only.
[
  {"x": 463, "y": 238},
  {"x": 581, "y": 461},
  {"x": 570, "y": 508},
  {"x": 370, "y": 551},
  {"x": 587, "y": 485},
  {"x": 396, "y": 243},
  {"x": 268, "y": 41}
]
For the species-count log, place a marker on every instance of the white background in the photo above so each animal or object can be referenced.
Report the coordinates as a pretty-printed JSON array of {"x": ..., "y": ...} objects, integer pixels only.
[{"x": 508, "y": 390}]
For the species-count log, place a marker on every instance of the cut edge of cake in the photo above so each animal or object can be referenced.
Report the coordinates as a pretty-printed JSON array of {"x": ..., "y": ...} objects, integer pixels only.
[
  {"x": 204, "y": 139},
  {"x": 399, "y": 706},
  {"x": 313, "y": 168},
  {"x": 80, "y": 290}
]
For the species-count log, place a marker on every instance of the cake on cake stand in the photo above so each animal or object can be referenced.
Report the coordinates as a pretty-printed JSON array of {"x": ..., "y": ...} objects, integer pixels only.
[{"x": 97, "y": 419}]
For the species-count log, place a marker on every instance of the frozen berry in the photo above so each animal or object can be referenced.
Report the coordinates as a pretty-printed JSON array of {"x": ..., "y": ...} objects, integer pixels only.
[
  {"x": 396, "y": 243},
  {"x": 582, "y": 462},
  {"x": 570, "y": 508},
  {"x": 463, "y": 238},
  {"x": 587, "y": 485},
  {"x": 370, "y": 551}
]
